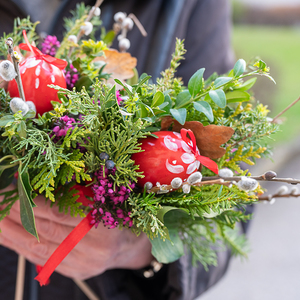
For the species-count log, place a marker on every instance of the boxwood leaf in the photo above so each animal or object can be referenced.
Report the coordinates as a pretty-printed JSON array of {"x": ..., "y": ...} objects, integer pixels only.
[
  {"x": 218, "y": 96},
  {"x": 83, "y": 81},
  {"x": 237, "y": 96},
  {"x": 6, "y": 119},
  {"x": 30, "y": 114},
  {"x": 179, "y": 115},
  {"x": 222, "y": 80},
  {"x": 247, "y": 84},
  {"x": 205, "y": 108},
  {"x": 196, "y": 82},
  {"x": 22, "y": 129},
  {"x": 169, "y": 250},
  {"x": 158, "y": 99},
  {"x": 182, "y": 98},
  {"x": 239, "y": 67}
]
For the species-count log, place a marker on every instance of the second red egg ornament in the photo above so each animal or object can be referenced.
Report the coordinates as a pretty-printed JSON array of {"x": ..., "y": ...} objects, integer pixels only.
[{"x": 170, "y": 155}]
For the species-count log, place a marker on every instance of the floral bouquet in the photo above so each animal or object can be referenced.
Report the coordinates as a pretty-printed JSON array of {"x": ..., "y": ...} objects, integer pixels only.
[{"x": 82, "y": 128}]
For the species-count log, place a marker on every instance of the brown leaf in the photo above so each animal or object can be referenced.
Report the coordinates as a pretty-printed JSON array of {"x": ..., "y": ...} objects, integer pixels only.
[
  {"x": 209, "y": 138},
  {"x": 3, "y": 83},
  {"x": 166, "y": 123},
  {"x": 120, "y": 65}
]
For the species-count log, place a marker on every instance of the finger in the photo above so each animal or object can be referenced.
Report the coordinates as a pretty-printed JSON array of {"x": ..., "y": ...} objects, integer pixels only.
[
  {"x": 14, "y": 237},
  {"x": 18, "y": 239},
  {"x": 45, "y": 211}
]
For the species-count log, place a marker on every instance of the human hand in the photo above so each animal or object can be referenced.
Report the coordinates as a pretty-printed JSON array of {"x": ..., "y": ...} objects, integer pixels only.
[{"x": 101, "y": 249}]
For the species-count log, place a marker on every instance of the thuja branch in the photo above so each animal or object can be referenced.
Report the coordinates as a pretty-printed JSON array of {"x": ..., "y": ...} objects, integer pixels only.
[{"x": 268, "y": 176}]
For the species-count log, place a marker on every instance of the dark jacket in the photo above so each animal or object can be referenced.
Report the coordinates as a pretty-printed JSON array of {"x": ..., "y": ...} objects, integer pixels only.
[{"x": 205, "y": 25}]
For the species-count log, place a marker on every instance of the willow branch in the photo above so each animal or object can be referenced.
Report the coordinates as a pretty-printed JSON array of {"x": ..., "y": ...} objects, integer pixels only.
[
  {"x": 138, "y": 24},
  {"x": 168, "y": 188},
  {"x": 270, "y": 196},
  {"x": 292, "y": 104},
  {"x": 16, "y": 60},
  {"x": 268, "y": 176},
  {"x": 89, "y": 17}
]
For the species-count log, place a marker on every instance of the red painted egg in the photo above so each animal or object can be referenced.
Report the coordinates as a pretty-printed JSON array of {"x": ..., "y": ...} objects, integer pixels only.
[
  {"x": 165, "y": 158},
  {"x": 36, "y": 74}
]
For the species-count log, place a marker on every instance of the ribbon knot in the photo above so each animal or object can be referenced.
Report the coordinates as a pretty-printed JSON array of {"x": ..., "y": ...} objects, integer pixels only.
[
  {"x": 59, "y": 63},
  {"x": 205, "y": 161}
]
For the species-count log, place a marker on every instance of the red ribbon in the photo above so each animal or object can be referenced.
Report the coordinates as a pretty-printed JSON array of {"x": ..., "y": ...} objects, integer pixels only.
[
  {"x": 205, "y": 161},
  {"x": 61, "y": 64},
  {"x": 70, "y": 241}
]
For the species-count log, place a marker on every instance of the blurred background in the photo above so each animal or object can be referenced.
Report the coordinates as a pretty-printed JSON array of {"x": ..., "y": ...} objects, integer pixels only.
[{"x": 270, "y": 29}]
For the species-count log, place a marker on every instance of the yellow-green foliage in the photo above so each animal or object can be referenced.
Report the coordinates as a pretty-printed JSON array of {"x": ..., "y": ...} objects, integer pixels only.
[{"x": 232, "y": 160}]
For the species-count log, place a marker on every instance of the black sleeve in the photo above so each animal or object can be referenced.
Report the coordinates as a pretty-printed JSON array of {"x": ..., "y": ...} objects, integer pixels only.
[{"x": 208, "y": 39}]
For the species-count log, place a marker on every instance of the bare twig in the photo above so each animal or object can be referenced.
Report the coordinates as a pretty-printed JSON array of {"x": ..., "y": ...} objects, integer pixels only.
[{"x": 292, "y": 104}]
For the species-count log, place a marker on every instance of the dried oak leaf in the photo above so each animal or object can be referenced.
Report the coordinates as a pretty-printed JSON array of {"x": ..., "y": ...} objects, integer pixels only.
[
  {"x": 209, "y": 138},
  {"x": 119, "y": 65}
]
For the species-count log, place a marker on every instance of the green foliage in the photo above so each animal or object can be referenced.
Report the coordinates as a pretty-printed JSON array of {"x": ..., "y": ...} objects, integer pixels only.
[
  {"x": 248, "y": 142},
  {"x": 17, "y": 35},
  {"x": 83, "y": 52},
  {"x": 237, "y": 242},
  {"x": 200, "y": 239},
  {"x": 144, "y": 211},
  {"x": 194, "y": 216},
  {"x": 168, "y": 81},
  {"x": 204, "y": 101},
  {"x": 81, "y": 12}
]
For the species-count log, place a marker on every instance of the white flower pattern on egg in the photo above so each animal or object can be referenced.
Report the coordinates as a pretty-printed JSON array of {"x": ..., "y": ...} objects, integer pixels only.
[{"x": 187, "y": 158}]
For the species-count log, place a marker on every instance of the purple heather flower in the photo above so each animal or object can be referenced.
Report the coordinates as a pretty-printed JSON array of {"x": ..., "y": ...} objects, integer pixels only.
[
  {"x": 50, "y": 45},
  {"x": 71, "y": 76},
  {"x": 119, "y": 98},
  {"x": 109, "y": 197},
  {"x": 63, "y": 125}
]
